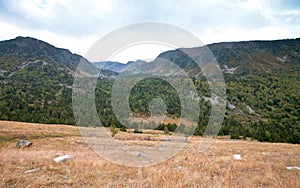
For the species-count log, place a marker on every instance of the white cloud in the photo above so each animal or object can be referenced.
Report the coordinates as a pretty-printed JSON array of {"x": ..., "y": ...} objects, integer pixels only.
[{"x": 77, "y": 24}]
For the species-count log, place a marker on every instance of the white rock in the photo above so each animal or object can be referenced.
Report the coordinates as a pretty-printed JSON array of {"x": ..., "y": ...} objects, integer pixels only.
[
  {"x": 293, "y": 167},
  {"x": 229, "y": 70},
  {"x": 237, "y": 157},
  {"x": 32, "y": 170},
  {"x": 231, "y": 106},
  {"x": 250, "y": 110},
  {"x": 63, "y": 158},
  {"x": 180, "y": 168}
]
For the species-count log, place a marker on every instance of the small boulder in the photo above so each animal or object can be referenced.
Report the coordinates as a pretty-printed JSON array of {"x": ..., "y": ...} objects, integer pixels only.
[
  {"x": 63, "y": 158},
  {"x": 143, "y": 155},
  {"x": 180, "y": 168},
  {"x": 293, "y": 167},
  {"x": 32, "y": 170},
  {"x": 237, "y": 157},
  {"x": 23, "y": 144}
]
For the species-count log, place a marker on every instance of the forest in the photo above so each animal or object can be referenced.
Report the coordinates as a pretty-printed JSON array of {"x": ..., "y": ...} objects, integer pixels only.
[{"x": 263, "y": 100}]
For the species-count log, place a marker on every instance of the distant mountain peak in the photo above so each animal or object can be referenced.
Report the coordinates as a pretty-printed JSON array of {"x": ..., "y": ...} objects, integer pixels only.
[{"x": 110, "y": 65}]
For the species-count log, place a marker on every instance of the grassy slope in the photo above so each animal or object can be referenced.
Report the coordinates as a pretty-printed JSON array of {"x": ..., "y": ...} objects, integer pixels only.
[{"x": 264, "y": 164}]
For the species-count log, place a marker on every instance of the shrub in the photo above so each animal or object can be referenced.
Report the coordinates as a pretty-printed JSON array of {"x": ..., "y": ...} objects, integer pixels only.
[{"x": 114, "y": 130}]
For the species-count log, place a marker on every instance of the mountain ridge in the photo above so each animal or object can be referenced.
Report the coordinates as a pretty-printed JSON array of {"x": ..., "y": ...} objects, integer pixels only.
[
  {"x": 262, "y": 86},
  {"x": 229, "y": 55}
]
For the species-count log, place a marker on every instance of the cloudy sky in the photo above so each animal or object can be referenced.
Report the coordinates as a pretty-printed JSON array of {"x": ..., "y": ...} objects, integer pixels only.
[{"x": 78, "y": 24}]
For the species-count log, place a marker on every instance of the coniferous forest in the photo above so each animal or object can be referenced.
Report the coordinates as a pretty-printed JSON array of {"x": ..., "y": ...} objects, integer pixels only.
[{"x": 262, "y": 88}]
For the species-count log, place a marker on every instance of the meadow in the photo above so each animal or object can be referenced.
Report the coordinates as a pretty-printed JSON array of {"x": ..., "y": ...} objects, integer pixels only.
[{"x": 262, "y": 164}]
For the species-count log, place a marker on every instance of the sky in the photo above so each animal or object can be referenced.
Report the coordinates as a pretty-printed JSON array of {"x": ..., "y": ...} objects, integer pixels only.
[{"x": 77, "y": 24}]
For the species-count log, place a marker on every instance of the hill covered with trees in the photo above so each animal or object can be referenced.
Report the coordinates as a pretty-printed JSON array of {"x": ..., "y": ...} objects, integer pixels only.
[{"x": 262, "y": 86}]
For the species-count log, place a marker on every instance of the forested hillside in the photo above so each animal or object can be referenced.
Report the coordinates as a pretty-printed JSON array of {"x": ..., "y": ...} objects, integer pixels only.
[{"x": 262, "y": 85}]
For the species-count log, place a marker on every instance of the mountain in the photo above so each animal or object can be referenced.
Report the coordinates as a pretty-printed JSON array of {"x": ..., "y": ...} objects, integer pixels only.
[
  {"x": 262, "y": 86},
  {"x": 26, "y": 48},
  {"x": 235, "y": 57},
  {"x": 36, "y": 81},
  {"x": 110, "y": 65},
  {"x": 245, "y": 57}
]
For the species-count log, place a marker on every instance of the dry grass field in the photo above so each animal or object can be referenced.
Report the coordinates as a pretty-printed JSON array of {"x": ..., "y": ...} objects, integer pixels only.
[{"x": 263, "y": 164}]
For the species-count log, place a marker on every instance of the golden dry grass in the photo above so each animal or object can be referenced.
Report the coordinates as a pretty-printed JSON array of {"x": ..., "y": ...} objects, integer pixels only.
[{"x": 264, "y": 164}]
